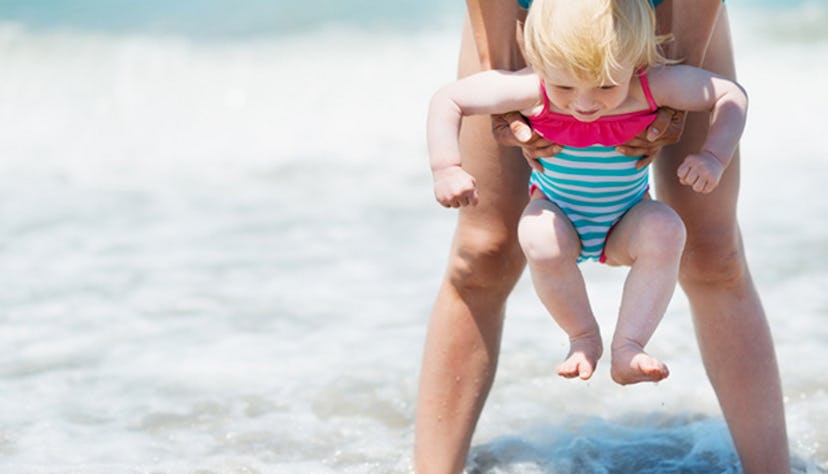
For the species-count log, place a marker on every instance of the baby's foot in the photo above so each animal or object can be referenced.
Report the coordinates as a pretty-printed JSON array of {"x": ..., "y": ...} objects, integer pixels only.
[
  {"x": 584, "y": 353},
  {"x": 630, "y": 364}
]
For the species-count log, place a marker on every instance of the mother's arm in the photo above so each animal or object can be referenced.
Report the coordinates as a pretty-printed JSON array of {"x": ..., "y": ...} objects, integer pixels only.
[
  {"x": 691, "y": 23},
  {"x": 496, "y": 31},
  {"x": 494, "y": 24}
]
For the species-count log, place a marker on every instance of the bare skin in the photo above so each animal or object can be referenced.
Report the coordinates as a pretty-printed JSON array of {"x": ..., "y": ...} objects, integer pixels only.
[
  {"x": 552, "y": 251},
  {"x": 632, "y": 365},
  {"x": 463, "y": 340},
  {"x": 485, "y": 262},
  {"x": 649, "y": 239},
  {"x": 731, "y": 327},
  {"x": 584, "y": 352},
  {"x": 648, "y": 287}
]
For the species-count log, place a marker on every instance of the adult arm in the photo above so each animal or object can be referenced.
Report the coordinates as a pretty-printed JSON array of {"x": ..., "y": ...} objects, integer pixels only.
[
  {"x": 496, "y": 30},
  {"x": 691, "y": 24},
  {"x": 494, "y": 24}
]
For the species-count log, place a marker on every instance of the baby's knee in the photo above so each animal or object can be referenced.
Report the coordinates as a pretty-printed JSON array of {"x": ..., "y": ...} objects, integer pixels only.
[
  {"x": 664, "y": 232},
  {"x": 547, "y": 241}
]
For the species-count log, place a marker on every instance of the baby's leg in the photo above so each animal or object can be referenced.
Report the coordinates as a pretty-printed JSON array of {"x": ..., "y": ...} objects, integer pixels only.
[
  {"x": 551, "y": 246},
  {"x": 650, "y": 239}
]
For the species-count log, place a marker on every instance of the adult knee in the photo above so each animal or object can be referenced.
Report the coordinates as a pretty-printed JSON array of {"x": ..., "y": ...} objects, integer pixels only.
[
  {"x": 714, "y": 262},
  {"x": 487, "y": 261}
]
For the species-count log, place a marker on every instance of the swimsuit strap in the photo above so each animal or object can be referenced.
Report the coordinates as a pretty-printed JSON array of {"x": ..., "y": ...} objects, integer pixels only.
[
  {"x": 645, "y": 87},
  {"x": 546, "y": 106}
]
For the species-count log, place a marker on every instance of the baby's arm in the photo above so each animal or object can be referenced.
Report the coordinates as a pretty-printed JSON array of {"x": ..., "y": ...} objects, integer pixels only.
[
  {"x": 488, "y": 92},
  {"x": 693, "y": 89}
]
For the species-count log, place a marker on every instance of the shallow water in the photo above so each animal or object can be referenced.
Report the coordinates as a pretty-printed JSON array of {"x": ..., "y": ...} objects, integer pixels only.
[{"x": 220, "y": 253}]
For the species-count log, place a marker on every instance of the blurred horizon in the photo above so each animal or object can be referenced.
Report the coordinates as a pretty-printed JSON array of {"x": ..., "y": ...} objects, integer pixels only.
[{"x": 224, "y": 18}]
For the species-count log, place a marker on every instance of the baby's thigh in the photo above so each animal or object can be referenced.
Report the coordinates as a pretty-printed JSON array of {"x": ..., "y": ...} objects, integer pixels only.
[
  {"x": 546, "y": 233},
  {"x": 649, "y": 229}
]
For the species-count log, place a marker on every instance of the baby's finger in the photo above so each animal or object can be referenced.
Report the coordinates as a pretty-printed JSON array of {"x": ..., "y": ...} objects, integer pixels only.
[
  {"x": 690, "y": 177},
  {"x": 711, "y": 185},
  {"x": 475, "y": 198},
  {"x": 681, "y": 172}
]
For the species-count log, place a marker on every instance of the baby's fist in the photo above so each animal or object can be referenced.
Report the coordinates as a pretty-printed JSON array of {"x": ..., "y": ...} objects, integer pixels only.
[
  {"x": 701, "y": 171},
  {"x": 454, "y": 187}
]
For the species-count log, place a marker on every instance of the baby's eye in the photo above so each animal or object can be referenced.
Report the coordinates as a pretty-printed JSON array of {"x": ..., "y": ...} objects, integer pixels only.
[
  {"x": 608, "y": 87},
  {"x": 563, "y": 88}
]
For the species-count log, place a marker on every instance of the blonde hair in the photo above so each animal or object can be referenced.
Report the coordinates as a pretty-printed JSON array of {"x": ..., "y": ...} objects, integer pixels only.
[{"x": 591, "y": 38}]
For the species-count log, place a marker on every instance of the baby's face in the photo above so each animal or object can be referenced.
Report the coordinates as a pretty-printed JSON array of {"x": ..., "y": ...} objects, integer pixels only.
[{"x": 587, "y": 100}]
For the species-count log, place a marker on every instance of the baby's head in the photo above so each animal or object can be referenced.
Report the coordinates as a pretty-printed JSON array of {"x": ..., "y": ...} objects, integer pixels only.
[{"x": 591, "y": 39}]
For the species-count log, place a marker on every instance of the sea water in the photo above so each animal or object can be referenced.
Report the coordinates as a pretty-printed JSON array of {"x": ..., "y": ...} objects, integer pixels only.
[{"x": 219, "y": 249}]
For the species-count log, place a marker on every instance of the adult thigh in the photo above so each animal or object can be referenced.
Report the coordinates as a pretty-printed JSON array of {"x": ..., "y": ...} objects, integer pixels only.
[{"x": 713, "y": 252}]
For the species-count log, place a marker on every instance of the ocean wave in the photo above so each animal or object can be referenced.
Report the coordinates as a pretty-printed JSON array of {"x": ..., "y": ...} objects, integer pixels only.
[{"x": 223, "y": 18}]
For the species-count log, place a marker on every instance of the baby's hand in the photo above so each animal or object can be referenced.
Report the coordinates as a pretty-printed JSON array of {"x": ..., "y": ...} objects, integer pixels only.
[
  {"x": 701, "y": 171},
  {"x": 454, "y": 187}
]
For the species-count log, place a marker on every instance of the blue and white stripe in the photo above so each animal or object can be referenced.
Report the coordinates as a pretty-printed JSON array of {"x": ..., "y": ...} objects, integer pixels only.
[{"x": 594, "y": 187}]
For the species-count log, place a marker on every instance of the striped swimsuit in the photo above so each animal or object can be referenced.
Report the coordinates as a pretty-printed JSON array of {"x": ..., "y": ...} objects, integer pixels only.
[{"x": 588, "y": 180}]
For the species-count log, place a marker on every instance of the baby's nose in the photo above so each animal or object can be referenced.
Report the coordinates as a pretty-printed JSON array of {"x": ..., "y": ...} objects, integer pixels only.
[{"x": 585, "y": 102}]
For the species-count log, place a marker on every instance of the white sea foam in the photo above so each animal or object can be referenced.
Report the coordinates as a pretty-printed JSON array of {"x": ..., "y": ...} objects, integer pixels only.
[{"x": 222, "y": 255}]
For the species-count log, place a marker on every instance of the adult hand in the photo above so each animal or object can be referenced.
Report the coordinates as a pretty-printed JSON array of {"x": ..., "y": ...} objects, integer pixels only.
[
  {"x": 665, "y": 130},
  {"x": 511, "y": 129}
]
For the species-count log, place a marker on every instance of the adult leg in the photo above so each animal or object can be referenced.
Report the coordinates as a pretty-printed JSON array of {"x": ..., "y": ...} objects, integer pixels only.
[
  {"x": 551, "y": 246},
  {"x": 463, "y": 339},
  {"x": 731, "y": 328},
  {"x": 649, "y": 239}
]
